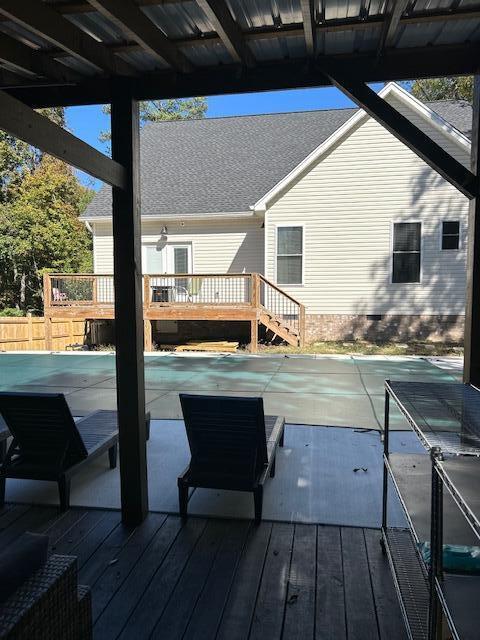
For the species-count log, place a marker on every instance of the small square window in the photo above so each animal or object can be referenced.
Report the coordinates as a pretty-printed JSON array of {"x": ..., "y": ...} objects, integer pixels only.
[{"x": 450, "y": 235}]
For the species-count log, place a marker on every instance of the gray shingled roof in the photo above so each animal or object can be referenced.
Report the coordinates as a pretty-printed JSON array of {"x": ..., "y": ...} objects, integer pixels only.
[{"x": 222, "y": 165}]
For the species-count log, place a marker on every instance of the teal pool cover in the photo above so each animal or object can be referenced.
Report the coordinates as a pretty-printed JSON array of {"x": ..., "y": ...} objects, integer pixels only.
[{"x": 319, "y": 390}]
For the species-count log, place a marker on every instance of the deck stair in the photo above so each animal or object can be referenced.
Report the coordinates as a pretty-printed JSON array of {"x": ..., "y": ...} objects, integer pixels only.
[
  {"x": 279, "y": 312},
  {"x": 277, "y": 326}
]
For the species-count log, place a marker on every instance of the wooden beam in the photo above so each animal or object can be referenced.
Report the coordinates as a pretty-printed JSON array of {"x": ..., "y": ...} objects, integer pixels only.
[
  {"x": 228, "y": 30},
  {"x": 424, "y": 62},
  {"x": 21, "y": 121},
  {"x": 41, "y": 19},
  {"x": 398, "y": 125},
  {"x": 129, "y": 18},
  {"x": 395, "y": 9},
  {"x": 28, "y": 60},
  {"x": 471, "y": 365},
  {"x": 308, "y": 16},
  {"x": 129, "y": 308}
]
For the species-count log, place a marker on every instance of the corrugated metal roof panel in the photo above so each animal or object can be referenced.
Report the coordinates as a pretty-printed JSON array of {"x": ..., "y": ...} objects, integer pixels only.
[
  {"x": 461, "y": 30},
  {"x": 27, "y": 37},
  {"x": 142, "y": 60},
  {"x": 78, "y": 66},
  {"x": 179, "y": 20},
  {"x": 202, "y": 55},
  {"x": 278, "y": 48},
  {"x": 98, "y": 27},
  {"x": 339, "y": 10},
  {"x": 265, "y": 13}
]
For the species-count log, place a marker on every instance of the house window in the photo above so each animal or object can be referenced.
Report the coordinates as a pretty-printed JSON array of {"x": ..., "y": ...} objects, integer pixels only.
[
  {"x": 289, "y": 255},
  {"x": 406, "y": 251},
  {"x": 450, "y": 235}
]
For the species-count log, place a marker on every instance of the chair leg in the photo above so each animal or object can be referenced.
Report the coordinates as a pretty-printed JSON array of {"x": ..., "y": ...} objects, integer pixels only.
[
  {"x": 183, "y": 500},
  {"x": 112, "y": 456},
  {"x": 64, "y": 491},
  {"x": 258, "y": 502},
  {"x": 272, "y": 468}
]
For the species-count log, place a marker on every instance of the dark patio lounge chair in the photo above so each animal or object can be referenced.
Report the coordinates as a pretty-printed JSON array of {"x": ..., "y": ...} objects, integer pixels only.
[
  {"x": 232, "y": 444},
  {"x": 4, "y": 434},
  {"x": 47, "y": 442}
]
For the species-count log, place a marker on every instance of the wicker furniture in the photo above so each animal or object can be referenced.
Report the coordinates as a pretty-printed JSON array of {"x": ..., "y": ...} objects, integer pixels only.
[
  {"x": 49, "y": 605},
  {"x": 232, "y": 444},
  {"x": 48, "y": 444}
]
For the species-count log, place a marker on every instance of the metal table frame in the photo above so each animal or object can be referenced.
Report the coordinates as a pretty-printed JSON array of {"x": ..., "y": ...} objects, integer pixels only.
[{"x": 434, "y": 572}]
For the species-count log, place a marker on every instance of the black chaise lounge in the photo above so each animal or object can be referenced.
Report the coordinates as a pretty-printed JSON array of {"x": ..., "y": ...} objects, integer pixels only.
[
  {"x": 232, "y": 445},
  {"x": 4, "y": 434},
  {"x": 48, "y": 444}
]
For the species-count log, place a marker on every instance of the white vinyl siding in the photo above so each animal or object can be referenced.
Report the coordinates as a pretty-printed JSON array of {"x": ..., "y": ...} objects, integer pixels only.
[
  {"x": 348, "y": 202},
  {"x": 226, "y": 246}
]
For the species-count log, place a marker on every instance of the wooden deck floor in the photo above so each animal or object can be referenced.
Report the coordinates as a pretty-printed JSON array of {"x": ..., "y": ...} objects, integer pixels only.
[{"x": 222, "y": 579}]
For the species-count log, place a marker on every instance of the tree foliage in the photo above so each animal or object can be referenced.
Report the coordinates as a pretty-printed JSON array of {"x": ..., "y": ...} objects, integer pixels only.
[
  {"x": 458, "y": 88},
  {"x": 40, "y": 201},
  {"x": 161, "y": 110}
]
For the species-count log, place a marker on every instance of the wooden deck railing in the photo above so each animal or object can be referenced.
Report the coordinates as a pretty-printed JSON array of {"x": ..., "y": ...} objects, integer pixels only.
[{"x": 240, "y": 290}]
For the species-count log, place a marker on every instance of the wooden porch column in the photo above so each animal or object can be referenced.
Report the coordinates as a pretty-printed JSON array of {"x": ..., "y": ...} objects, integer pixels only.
[
  {"x": 148, "y": 343},
  {"x": 471, "y": 372},
  {"x": 129, "y": 307}
]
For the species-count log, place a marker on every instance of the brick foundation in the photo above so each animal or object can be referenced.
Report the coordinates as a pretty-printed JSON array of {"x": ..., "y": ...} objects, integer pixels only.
[{"x": 393, "y": 328}]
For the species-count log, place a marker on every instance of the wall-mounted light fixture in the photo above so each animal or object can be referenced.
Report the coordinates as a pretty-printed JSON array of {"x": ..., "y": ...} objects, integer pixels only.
[{"x": 164, "y": 231}]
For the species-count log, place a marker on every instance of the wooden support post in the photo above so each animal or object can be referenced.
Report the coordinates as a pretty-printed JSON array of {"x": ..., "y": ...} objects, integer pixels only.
[
  {"x": 254, "y": 336},
  {"x": 147, "y": 331},
  {"x": 30, "y": 331},
  {"x": 301, "y": 326},
  {"x": 129, "y": 307},
  {"x": 255, "y": 296},
  {"x": 471, "y": 369},
  {"x": 47, "y": 292},
  {"x": 48, "y": 333}
]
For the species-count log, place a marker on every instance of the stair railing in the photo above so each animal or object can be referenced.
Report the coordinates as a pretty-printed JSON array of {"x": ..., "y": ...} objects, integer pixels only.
[{"x": 283, "y": 306}]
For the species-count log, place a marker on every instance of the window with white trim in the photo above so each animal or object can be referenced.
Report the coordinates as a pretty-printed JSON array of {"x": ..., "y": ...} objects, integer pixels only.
[
  {"x": 450, "y": 235},
  {"x": 289, "y": 255},
  {"x": 406, "y": 251}
]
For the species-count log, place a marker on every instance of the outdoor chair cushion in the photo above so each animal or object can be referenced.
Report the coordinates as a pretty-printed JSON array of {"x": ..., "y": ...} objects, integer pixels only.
[{"x": 20, "y": 560}]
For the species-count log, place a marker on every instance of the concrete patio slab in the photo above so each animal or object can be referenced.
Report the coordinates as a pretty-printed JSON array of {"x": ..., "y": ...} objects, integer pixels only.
[
  {"x": 315, "y": 481},
  {"x": 84, "y": 401},
  {"x": 332, "y": 383},
  {"x": 338, "y": 410}
]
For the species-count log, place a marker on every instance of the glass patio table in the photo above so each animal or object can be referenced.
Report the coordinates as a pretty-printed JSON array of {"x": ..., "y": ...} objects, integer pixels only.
[{"x": 442, "y": 414}]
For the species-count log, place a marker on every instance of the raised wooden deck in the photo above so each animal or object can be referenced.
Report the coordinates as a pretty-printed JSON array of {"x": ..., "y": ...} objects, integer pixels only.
[
  {"x": 221, "y": 579},
  {"x": 228, "y": 297}
]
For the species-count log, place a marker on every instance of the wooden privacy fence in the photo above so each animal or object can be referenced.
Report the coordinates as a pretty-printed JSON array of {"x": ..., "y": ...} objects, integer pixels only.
[{"x": 30, "y": 333}]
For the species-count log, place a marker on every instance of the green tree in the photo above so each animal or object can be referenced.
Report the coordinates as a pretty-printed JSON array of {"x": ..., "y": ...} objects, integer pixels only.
[
  {"x": 17, "y": 158},
  {"x": 40, "y": 231},
  {"x": 172, "y": 109},
  {"x": 458, "y": 88}
]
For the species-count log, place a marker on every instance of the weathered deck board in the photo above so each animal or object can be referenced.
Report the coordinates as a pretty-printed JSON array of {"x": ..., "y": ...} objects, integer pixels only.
[{"x": 219, "y": 579}]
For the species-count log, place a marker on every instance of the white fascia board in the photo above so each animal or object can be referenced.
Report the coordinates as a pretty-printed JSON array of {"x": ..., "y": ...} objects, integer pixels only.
[
  {"x": 179, "y": 218},
  {"x": 392, "y": 87}
]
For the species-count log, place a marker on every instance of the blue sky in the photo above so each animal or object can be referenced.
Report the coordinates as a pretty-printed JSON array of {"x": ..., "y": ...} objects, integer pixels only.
[{"x": 88, "y": 122}]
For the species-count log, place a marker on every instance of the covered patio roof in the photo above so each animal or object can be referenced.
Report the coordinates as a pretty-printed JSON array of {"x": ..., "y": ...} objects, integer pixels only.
[{"x": 59, "y": 53}]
